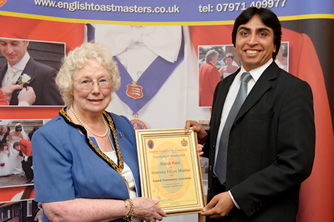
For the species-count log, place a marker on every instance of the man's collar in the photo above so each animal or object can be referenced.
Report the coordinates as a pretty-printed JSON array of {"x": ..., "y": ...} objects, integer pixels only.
[
  {"x": 257, "y": 72},
  {"x": 212, "y": 63},
  {"x": 22, "y": 63}
]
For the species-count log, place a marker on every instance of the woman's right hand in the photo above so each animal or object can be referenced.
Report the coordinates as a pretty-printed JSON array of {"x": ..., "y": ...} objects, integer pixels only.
[{"x": 147, "y": 209}]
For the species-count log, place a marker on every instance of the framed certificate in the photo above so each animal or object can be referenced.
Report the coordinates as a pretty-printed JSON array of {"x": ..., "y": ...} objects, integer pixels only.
[{"x": 170, "y": 169}]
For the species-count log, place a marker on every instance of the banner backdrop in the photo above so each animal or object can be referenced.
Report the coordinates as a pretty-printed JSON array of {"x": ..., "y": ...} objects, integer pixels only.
[{"x": 177, "y": 32}]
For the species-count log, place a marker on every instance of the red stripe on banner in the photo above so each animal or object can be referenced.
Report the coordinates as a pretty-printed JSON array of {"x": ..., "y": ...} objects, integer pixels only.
[
  {"x": 10, "y": 112},
  {"x": 211, "y": 35},
  {"x": 34, "y": 29},
  {"x": 8, "y": 193}
]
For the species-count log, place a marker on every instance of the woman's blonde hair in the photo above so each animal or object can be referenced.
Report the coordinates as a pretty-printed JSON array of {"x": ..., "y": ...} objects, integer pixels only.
[{"x": 77, "y": 59}]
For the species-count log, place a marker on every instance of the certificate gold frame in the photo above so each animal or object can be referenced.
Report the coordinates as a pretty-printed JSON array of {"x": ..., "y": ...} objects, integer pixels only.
[{"x": 170, "y": 169}]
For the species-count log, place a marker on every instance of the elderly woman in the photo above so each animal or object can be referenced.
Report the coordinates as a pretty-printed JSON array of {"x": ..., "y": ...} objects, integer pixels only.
[{"x": 85, "y": 159}]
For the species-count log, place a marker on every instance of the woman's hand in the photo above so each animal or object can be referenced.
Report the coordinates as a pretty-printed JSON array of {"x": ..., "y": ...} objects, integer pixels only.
[
  {"x": 147, "y": 209},
  {"x": 199, "y": 149},
  {"x": 27, "y": 95}
]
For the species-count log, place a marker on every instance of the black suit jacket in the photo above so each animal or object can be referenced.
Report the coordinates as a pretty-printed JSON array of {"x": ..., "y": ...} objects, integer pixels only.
[
  {"x": 42, "y": 81},
  {"x": 271, "y": 147}
]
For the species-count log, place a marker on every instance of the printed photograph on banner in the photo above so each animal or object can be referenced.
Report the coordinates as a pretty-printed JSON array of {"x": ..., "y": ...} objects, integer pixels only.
[
  {"x": 27, "y": 72},
  {"x": 215, "y": 63},
  {"x": 16, "y": 166},
  {"x": 282, "y": 58},
  {"x": 23, "y": 211}
]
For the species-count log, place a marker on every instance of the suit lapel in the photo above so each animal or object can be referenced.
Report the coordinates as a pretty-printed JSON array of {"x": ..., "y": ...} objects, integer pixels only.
[
  {"x": 219, "y": 100},
  {"x": 264, "y": 83},
  {"x": 2, "y": 73},
  {"x": 29, "y": 69}
]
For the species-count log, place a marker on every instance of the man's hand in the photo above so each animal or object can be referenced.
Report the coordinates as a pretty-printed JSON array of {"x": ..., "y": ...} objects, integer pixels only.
[
  {"x": 9, "y": 88},
  {"x": 220, "y": 206},
  {"x": 198, "y": 128},
  {"x": 27, "y": 95}
]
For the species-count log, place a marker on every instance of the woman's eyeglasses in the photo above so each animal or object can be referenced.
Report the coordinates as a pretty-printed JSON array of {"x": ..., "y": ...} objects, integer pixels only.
[{"x": 88, "y": 84}]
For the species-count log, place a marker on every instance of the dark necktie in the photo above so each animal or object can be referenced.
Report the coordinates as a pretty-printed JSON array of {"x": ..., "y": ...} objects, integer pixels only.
[{"x": 220, "y": 169}]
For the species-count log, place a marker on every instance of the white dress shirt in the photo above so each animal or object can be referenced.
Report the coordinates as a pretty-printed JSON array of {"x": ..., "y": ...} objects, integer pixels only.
[{"x": 19, "y": 66}]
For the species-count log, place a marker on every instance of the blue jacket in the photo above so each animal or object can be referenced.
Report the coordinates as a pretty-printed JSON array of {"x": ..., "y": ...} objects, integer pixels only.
[{"x": 66, "y": 167}]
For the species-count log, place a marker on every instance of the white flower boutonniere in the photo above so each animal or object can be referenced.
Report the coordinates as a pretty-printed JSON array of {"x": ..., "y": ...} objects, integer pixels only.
[{"x": 24, "y": 80}]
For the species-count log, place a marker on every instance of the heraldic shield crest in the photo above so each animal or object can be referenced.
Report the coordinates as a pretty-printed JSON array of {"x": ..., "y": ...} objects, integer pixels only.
[{"x": 134, "y": 91}]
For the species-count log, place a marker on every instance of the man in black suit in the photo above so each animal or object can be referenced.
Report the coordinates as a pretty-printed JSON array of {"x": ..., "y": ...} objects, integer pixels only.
[
  {"x": 40, "y": 77},
  {"x": 271, "y": 140}
]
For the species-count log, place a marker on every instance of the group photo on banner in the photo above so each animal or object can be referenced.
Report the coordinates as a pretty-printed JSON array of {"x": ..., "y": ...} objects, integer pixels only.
[{"x": 166, "y": 111}]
